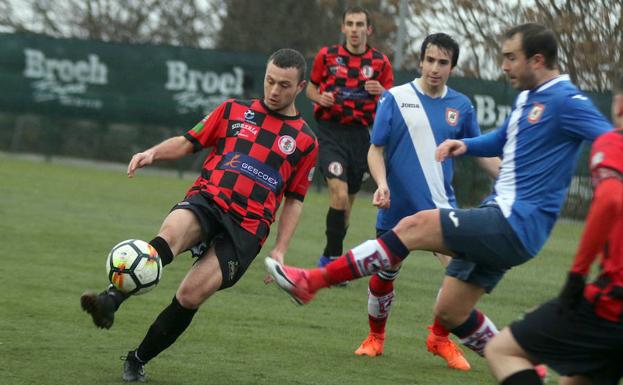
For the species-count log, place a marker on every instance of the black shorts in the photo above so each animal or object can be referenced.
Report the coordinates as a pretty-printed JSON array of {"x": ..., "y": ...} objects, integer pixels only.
[
  {"x": 343, "y": 152},
  {"x": 235, "y": 247},
  {"x": 484, "y": 243},
  {"x": 577, "y": 344}
]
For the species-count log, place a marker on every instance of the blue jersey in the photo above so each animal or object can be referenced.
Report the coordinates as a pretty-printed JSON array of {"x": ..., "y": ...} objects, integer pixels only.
[
  {"x": 409, "y": 125},
  {"x": 539, "y": 144}
]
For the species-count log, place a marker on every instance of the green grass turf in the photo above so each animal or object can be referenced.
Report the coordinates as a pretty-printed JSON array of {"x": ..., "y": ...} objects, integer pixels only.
[{"x": 57, "y": 223}]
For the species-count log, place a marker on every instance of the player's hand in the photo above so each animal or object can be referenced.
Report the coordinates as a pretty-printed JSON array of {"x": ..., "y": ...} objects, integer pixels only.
[
  {"x": 139, "y": 160},
  {"x": 327, "y": 99},
  {"x": 571, "y": 294},
  {"x": 373, "y": 87},
  {"x": 277, "y": 256},
  {"x": 381, "y": 197},
  {"x": 450, "y": 148}
]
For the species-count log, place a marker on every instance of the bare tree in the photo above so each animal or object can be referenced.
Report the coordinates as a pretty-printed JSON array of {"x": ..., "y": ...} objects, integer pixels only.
[
  {"x": 263, "y": 26},
  {"x": 178, "y": 22},
  {"x": 590, "y": 33}
]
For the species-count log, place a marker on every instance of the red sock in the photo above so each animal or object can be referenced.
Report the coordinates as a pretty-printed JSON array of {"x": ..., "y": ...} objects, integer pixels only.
[
  {"x": 339, "y": 270},
  {"x": 439, "y": 330},
  {"x": 379, "y": 288}
]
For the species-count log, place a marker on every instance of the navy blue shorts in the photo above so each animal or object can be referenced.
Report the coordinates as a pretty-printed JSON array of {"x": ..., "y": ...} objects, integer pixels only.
[
  {"x": 576, "y": 344},
  {"x": 235, "y": 247},
  {"x": 343, "y": 152},
  {"x": 484, "y": 244}
]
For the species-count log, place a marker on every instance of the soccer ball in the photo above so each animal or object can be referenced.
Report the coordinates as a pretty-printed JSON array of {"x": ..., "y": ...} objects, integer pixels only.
[{"x": 133, "y": 266}]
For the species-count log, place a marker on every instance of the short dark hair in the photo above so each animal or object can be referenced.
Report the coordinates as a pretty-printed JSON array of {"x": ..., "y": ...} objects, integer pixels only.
[
  {"x": 289, "y": 58},
  {"x": 536, "y": 38},
  {"x": 357, "y": 9},
  {"x": 444, "y": 42}
]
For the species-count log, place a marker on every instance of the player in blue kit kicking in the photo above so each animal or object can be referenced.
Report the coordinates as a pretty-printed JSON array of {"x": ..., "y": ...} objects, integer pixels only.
[
  {"x": 539, "y": 144},
  {"x": 412, "y": 120}
]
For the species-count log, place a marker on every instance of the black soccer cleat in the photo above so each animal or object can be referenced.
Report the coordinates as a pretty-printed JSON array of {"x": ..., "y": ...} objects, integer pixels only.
[
  {"x": 101, "y": 307},
  {"x": 133, "y": 369}
]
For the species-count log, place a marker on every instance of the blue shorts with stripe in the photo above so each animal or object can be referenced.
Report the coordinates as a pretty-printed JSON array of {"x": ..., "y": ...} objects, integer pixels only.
[{"x": 484, "y": 243}]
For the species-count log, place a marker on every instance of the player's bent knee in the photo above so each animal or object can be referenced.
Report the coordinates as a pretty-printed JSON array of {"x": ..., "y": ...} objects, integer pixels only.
[{"x": 188, "y": 298}]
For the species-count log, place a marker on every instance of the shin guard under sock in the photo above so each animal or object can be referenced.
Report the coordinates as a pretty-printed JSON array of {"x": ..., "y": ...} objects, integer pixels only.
[
  {"x": 169, "y": 325},
  {"x": 380, "y": 298},
  {"x": 163, "y": 249},
  {"x": 476, "y": 331},
  {"x": 336, "y": 231}
]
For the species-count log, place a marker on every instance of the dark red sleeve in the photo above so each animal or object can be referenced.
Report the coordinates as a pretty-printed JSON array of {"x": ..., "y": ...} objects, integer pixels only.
[
  {"x": 605, "y": 211},
  {"x": 318, "y": 67},
  {"x": 387, "y": 76},
  {"x": 205, "y": 133}
]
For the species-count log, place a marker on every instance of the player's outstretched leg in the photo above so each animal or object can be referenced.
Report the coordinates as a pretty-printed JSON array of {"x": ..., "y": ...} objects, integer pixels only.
[
  {"x": 102, "y": 306},
  {"x": 365, "y": 259},
  {"x": 133, "y": 368}
]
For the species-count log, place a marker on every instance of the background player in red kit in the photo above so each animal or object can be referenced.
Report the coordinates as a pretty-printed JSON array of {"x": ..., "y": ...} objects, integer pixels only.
[
  {"x": 345, "y": 84},
  {"x": 262, "y": 150},
  {"x": 580, "y": 333}
]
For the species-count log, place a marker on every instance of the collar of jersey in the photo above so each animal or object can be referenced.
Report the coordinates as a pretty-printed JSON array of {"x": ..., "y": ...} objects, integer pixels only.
[
  {"x": 551, "y": 82},
  {"x": 278, "y": 115}
]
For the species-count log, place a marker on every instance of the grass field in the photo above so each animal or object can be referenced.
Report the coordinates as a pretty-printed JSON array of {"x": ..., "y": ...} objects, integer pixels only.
[{"x": 57, "y": 223}]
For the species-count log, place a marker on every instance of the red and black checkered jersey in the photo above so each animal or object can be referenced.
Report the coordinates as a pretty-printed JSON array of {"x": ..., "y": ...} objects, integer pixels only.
[
  {"x": 257, "y": 157},
  {"x": 337, "y": 70}
]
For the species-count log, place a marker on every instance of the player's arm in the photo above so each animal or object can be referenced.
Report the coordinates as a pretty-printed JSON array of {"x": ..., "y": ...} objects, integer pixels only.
[
  {"x": 170, "y": 149},
  {"x": 490, "y": 165},
  {"x": 606, "y": 208},
  {"x": 288, "y": 220},
  {"x": 384, "y": 82},
  {"x": 325, "y": 99},
  {"x": 376, "y": 164}
]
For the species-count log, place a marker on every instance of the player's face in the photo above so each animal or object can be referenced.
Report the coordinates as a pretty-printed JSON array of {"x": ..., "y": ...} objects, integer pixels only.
[
  {"x": 356, "y": 30},
  {"x": 516, "y": 65},
  {"x": 436, "y": 66},
  {"x": 281, "y": 86}
]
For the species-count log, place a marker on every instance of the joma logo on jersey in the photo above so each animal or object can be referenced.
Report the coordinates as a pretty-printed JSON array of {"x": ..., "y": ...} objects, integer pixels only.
[
  {"x": 452, "y": 116},
  {"x": 409, "y": 105},
  {"x": 536, "y": 113}
]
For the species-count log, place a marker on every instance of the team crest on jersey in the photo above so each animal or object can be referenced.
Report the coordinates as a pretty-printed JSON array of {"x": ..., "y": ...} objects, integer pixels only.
[
  {"x": 452, "y": 116},
  {"x": 249, "y": 115},
  {"x": 367, "y": 71},
  {"x": 336, "y": 168},
  {"x": 287, "y": 144},
  {"x": 536, "y": 112}
]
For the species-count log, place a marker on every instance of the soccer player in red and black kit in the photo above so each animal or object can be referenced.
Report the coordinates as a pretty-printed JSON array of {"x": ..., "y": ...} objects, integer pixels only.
[
  {"x": 345, "y": 84},
  {"x": 262, "y": 150},
  {"x": 580, "y": 333}
]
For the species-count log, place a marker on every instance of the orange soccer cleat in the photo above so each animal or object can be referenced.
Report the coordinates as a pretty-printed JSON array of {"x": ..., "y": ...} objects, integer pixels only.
[
  {"x": 371, "y": 346},
  {"x": 446, "y": 349}
]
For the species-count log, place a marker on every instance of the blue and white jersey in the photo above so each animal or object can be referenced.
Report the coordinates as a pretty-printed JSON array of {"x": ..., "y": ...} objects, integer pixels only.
[
  {"x": 539, "y": 144},
  {"x": 410, "y": 125}
]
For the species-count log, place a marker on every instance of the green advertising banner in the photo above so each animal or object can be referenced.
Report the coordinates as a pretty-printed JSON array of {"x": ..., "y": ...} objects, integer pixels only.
[
  {"x": 118, "y": 82},
  {"x": 164, "y": 85}
]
